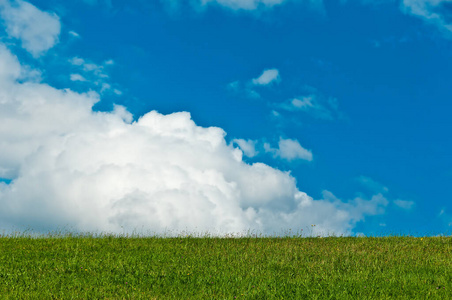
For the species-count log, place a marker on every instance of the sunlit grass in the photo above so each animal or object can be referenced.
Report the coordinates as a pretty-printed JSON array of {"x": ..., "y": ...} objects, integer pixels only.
[{"x": 77, "y": 266}]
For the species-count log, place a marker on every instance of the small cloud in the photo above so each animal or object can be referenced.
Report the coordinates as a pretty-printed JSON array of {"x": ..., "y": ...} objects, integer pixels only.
[
  {"x": 77, "y": 77},
  {"x": 407, "y": 205},
  {"x": 247, "y": 146},
  {"x": 372, "y": 184},
  {"x": 93, "y": 73},
  {"x": 88, "y": 66},
  {"x": 248, "y": 92},
  {"x": 445, "y": 217},
  {"x": 37, "y": 30},
  {"x": 91, "y": 67},
  {"x": 303, "y": 104},
  {"x": 289, "y": 150},
  {"x": 74, "y": 34},
  {"x": 314, "y": 104},
  {"x": 234, "y": 86},
  {"x": 252, "y": 94},
  {"x": 77, "y": 61},
  {"x": 275, "y": 114},
  {"x": 246, "y": 5},
  {"x": 267, "y": 77},
  {"x": 105, "y": 87}
]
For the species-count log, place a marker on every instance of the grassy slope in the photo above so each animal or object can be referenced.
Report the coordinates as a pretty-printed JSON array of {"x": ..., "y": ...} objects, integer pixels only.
[{"x": 234, "y": 268}]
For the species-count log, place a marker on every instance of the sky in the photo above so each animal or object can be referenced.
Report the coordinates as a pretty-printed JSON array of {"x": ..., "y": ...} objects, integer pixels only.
[{"x": 226, "y": 116}]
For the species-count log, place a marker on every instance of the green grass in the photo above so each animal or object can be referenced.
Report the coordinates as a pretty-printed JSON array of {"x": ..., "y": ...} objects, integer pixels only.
[{"x": 115, "y": 267}]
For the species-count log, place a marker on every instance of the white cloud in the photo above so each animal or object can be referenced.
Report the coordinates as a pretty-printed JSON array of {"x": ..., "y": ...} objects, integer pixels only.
[
  {"x": 303, "y": 104},
  {"x": 244, "y": 4},
  {"x": 247, "y": 146},
  {"x": 105, "y": 87},
  {"x": 314, "y": 103},
  {"x": 359, "y": 207},
  {"x": 289, "y": 150},
  {"x": 268, "y": 76},
  {"x": 94, "y": 74},
  {"x": 72, "y": 167},
  {"x": 90, "y": 67},
  {"x": 404, "y": 204},
  {"x": 240, "y": 5},
  {"x": 10, "y": 68},
  {"x": 37, "y": 30},
  {"x": 372, "y": 184},
  {"x": 77, "y": 77},
  {"x": 275, "y": 114},
  {"x": 74, "y": 34},
  {"x": 432, "y": 11},
  {"x": 77, "y": 61}
]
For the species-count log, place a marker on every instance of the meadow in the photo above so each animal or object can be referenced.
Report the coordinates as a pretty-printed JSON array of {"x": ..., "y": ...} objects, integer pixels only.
[{"x": 77, "y": 266}]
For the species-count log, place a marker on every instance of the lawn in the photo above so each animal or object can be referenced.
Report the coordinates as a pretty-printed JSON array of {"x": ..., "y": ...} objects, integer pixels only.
[{"x": 118, "y": 267}]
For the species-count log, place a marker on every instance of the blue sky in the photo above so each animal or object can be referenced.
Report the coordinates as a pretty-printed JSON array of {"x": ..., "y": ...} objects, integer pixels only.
[{"x": 345, "y": 102}]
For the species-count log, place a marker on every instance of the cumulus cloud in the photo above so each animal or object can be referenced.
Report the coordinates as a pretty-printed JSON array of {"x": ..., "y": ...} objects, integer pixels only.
[
  {"x": 72, "y": 167},
  {"x": 37, "y": 30},
  {"x": 436, "y": 12},
  {"x": 290, "y": 150},
  {"x": 267, "y": 77}
]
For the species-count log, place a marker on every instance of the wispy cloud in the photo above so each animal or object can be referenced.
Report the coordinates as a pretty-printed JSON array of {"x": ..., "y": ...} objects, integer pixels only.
[
  {"x": 93, "y": 73},
  {"x": 74, "y": 34},
  {"x": 314, "y": 104},
  {"x": 445, "y": 217},
  {"x": 372, "y": 185},
  {"x": 37, "y": 30},
  {"x": 77, "y": 77},
  {"x": 407, "y": 205},
  {"x": 436, "y": 12}
]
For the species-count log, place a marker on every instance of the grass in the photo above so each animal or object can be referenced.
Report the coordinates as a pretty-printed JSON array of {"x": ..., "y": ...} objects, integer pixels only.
[{"x": 117, "y": 267}]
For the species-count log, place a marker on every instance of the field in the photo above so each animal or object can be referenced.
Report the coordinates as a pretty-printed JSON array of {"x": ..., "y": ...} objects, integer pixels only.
[{"x": 118, "y": 267}]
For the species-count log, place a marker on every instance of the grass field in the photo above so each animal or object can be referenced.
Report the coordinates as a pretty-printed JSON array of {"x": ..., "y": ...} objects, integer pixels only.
[{"x": 115, "y": 267}]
